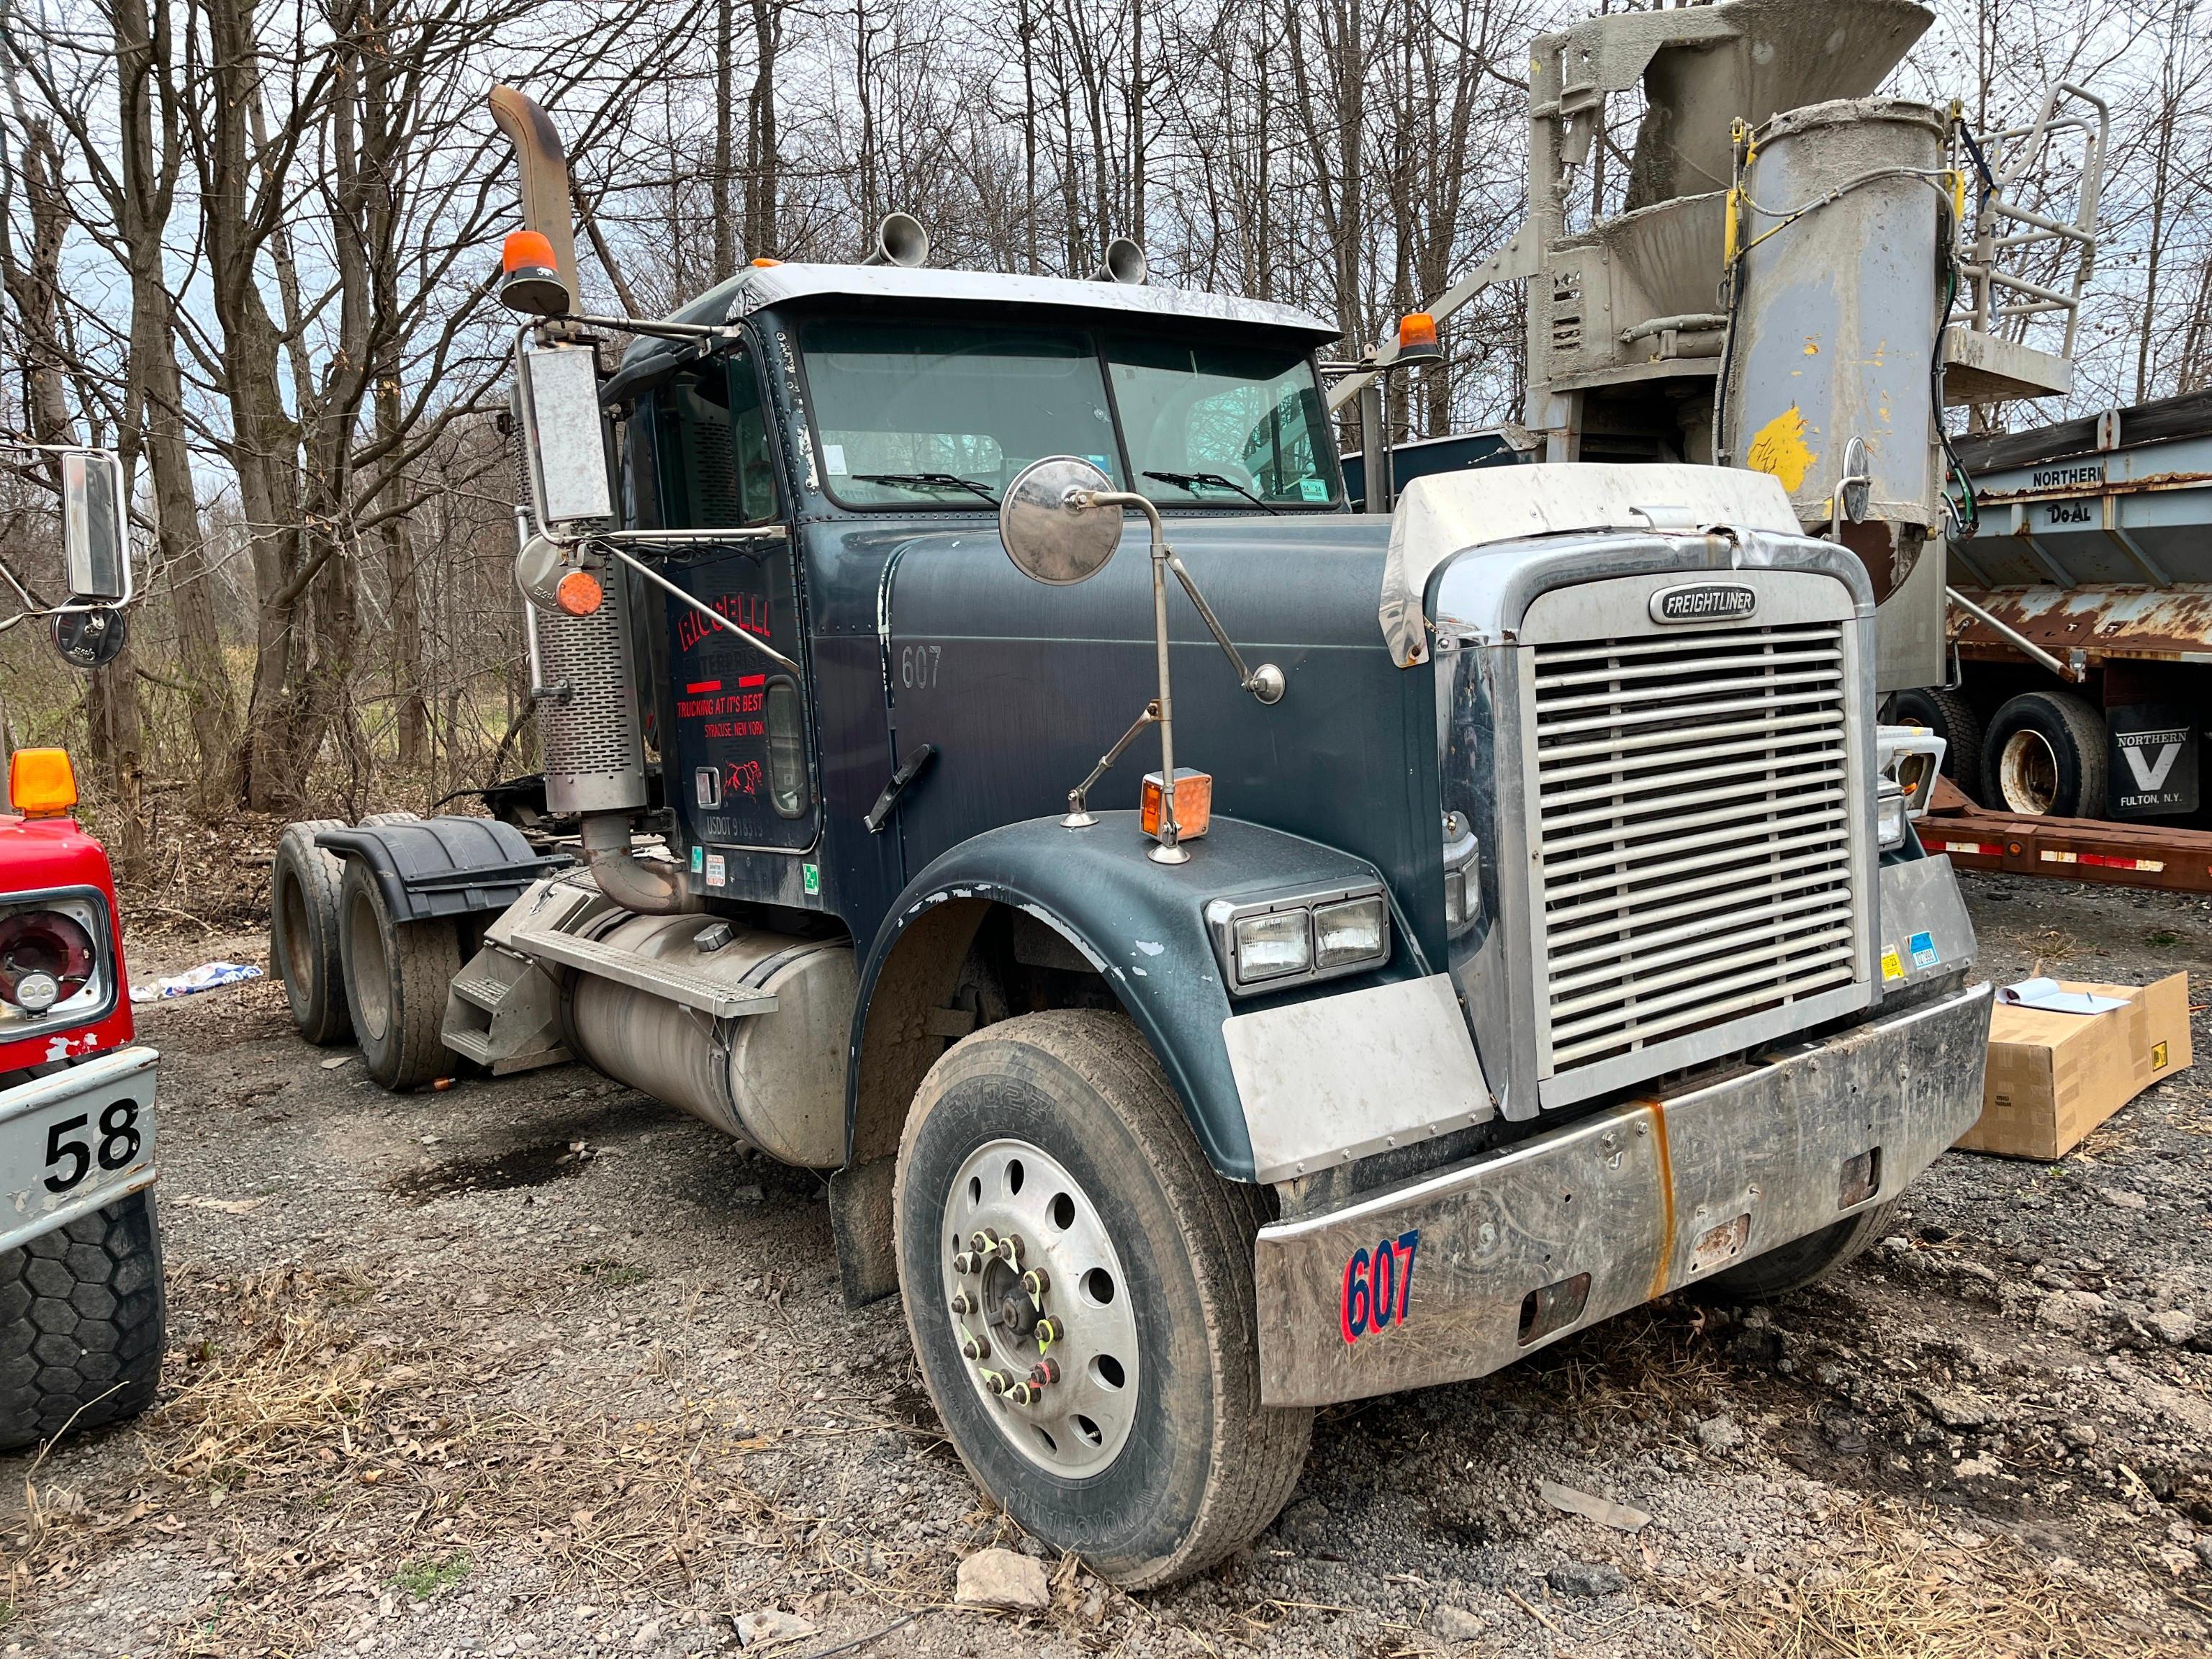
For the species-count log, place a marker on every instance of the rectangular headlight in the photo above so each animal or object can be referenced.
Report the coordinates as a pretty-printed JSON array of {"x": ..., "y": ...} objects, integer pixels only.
[
  {"x": 1356, "y": 930},
  {"x": 1889, "y": 816},
  {"x": 1271, "y": 945},
  {"x": 1268, "y": 944}
]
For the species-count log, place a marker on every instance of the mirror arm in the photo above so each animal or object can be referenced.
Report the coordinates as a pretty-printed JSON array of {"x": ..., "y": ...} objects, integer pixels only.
[
  {"x": 1265, "y": 681},
  {"x": 1078, "y": 809},
  {"x": 709, "y": 613}
]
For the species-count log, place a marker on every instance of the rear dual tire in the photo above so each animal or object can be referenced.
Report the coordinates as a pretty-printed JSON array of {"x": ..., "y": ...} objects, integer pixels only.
[
  {"x": 1178, "y": 1465},
  {"x": 397, "y": 975},
  {"x": 2046, "y": 755}
]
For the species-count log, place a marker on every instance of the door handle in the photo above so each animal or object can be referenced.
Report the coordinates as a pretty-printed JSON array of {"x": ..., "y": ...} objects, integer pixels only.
[{"x": 916, "y": 764}]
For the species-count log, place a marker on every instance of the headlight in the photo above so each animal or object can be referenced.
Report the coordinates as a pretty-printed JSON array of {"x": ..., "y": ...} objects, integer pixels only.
[
  {"x": 1889, "y": 816},
  {"x": 1268, "y": 944},
  {"x": 1346, "y": 935},
  {"x": 53, "y": 968}
]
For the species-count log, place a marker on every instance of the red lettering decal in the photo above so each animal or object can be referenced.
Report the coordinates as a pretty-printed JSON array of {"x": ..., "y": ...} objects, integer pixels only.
[{"x": 698, "y": 686}]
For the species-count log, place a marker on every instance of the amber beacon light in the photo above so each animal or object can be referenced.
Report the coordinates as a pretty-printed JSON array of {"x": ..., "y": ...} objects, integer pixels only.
[
  {"x": 41, "y": 783},
  {"x": 1417, "y": 339},
  {"x": 530, "y": 276}
]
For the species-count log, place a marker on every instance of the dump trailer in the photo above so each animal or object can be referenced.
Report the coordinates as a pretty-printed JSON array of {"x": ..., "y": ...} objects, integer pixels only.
[
  {"x": 1232, "y": 955},
  {"x": 2080, "y": 669}
]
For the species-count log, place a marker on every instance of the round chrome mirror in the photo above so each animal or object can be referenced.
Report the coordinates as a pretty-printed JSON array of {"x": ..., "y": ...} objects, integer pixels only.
[
  {"x": 1048, "y": 537},
  {"x": 1857, "y": 481}
]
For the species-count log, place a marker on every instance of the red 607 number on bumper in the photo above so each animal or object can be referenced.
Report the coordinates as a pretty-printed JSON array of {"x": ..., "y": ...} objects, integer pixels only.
[{"x": 1378, "y": 1283}]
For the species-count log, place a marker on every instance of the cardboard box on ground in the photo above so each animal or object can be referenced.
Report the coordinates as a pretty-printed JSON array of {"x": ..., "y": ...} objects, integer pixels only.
[{"x": 2054, "y": 1077}]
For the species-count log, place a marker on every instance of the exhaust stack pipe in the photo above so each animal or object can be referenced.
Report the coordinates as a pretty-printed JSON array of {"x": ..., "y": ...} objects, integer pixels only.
[
  {"x": 1125, "y": 262},
  {"x": 900, "y": 240},
  {"x": 649, "y": 888},
  {"x": 544, "y": 165}
]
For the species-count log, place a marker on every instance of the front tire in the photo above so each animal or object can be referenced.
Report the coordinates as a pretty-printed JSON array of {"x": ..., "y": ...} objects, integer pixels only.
[
  {"x": 1150, "y": 1455},
  {"x": 81, "y": 1324},
  {"x": 395, "y": 977}
]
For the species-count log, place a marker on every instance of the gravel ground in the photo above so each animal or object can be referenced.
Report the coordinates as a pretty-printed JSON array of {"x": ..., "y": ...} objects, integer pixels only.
[{"x": 538, "y": 1366}]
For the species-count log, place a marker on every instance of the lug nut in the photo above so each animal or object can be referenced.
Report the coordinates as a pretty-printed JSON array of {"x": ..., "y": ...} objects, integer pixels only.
[
  {"x": 1045, "y": 1372},
  {"x": 983, "y": 1241},
  {"x": 1047, "y": 1330},
  {"x": 975, "y": 1347},
  {"x": 1022, "y": 1394},
  {"x": 996, "y": 1382},
  {"x": 1010, "y": 1249},
  {"x": 963, "y": 1264},
  {"x": 1036, "y": 1281},
  {"x": 960, "y": 1304}
]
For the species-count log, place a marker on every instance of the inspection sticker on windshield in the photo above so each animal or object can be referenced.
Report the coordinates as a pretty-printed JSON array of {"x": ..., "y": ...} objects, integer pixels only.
[
  {"x": 1924, "y": 954},
  {"x": 833, "y": 457},
  {"x": 1314, "y": 489}
]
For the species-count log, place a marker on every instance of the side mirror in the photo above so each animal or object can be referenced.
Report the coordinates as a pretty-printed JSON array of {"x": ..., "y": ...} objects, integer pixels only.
[
  {"x": 562, "y": 433},
  {"x": 96, "y": 542},
  {"x": 1053, "y": 530}
]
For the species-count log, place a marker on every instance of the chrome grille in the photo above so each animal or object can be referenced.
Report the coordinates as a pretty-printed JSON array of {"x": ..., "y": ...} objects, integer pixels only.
[{"x": 1694, "y": 808}]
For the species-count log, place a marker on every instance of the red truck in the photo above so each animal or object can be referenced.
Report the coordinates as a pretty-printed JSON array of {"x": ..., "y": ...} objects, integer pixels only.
[{"x": 81, "y": 1295}]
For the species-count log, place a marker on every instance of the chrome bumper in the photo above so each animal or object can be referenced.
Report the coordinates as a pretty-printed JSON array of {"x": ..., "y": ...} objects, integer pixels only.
[{"x": 1438, "y": 1281}]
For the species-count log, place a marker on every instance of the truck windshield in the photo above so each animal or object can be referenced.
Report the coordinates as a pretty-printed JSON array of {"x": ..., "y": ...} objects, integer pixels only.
[
  {"x": 1223, "y": 424},
  {"x": 947, "y": 413},
  {"x": 944, "y": 414}
]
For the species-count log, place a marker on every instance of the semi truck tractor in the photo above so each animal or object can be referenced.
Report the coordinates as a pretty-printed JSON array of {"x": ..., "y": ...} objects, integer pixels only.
[{"x": 1230, "y": 954}]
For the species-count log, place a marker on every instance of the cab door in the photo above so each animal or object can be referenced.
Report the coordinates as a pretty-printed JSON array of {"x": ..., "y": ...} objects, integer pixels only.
[{"x": 736, "y": 752}]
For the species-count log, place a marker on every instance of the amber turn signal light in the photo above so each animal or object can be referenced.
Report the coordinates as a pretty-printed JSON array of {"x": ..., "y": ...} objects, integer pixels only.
[
  {"x": 1417, "y": 338},
  {"x": 41, "y": 783},
  {"x": 1194, "y": 803},
  {"x": 579, "y": 593}
]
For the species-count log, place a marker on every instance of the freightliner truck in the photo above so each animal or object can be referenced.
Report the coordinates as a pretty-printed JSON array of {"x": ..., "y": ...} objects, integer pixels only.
[{"x": 1232, "y": 955}]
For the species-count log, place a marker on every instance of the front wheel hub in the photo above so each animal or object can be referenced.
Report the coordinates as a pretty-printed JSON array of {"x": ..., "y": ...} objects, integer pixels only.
[{"x": 1054, "y": 1355}]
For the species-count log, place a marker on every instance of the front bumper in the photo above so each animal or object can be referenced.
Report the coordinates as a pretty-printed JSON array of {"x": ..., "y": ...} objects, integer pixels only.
[
  {"x": 74, "y": 1141},
  {"x": 1458, "y": 1274}
]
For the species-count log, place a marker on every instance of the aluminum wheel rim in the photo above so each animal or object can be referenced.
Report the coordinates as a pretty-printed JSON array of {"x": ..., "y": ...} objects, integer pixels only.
[
  {"x": 1063, "y": 1394},
  {"x": 2027, "y": 774}
]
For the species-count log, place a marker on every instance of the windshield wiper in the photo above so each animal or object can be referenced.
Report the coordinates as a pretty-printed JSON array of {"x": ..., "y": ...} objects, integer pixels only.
[
  {"x": 928, "y": 480},
  {"x": 1212, "y": 480}
]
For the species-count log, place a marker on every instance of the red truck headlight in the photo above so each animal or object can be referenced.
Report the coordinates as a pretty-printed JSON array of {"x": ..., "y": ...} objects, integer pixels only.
[{"x": 56, "y": 962}]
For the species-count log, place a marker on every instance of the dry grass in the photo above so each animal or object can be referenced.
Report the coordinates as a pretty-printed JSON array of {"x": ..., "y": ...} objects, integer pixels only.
[
  {"x": 1882, "y": 1592},
  {"x": 317, "y": 1464}
]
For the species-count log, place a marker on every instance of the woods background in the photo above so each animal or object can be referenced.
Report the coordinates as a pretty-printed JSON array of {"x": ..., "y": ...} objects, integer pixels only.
[{"x": 250, "y": 243}]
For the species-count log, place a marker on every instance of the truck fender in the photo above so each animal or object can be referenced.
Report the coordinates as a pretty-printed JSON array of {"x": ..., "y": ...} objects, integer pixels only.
[
  {"x": 447, "y": 867},
  {"x": 1140, "y": 925}
]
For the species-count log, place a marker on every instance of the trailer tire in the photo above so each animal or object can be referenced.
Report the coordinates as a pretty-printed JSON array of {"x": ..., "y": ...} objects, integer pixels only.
[
  {"x": 1952, "y": 718},
  {"x": 2046, "y": 757},
  {"x": 81, "y": 1324},
  {"x": 303, "y": 931},
  {"x": 1181, "y": 1464},
  {"x": 397, "y": 974},
  {"x": 1801, "y": 1263}
]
